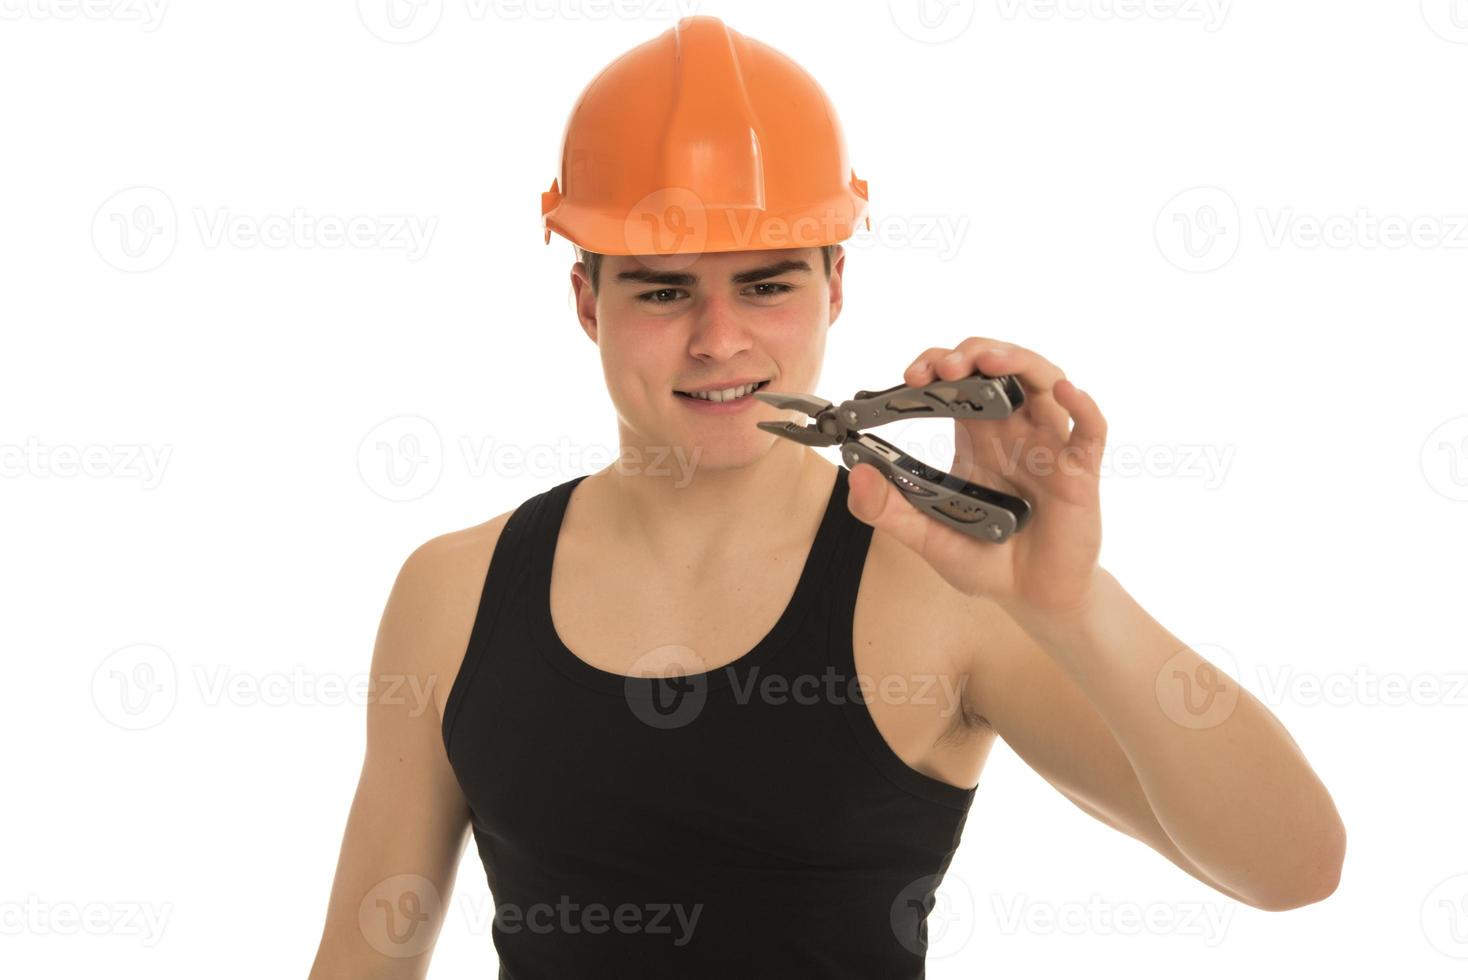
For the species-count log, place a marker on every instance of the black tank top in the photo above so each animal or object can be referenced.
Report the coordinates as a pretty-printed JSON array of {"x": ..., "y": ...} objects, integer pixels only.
[{"x": 749, "y": 822}]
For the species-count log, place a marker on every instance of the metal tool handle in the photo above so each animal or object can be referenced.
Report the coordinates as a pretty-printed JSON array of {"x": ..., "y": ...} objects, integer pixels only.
[
  {"x": 982, "y": 512},
  {"x": 977, "y": 396}
]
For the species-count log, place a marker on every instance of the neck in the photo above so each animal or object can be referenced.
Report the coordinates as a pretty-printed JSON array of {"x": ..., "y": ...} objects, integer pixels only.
[{"x": 694, "y": 516}]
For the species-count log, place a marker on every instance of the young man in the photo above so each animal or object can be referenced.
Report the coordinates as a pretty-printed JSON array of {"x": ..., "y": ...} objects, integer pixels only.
[{"x": 727, "y": 719}]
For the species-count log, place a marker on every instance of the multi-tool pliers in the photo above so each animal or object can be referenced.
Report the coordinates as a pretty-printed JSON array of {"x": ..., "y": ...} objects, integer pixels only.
[{"x": 981, "y": 512}]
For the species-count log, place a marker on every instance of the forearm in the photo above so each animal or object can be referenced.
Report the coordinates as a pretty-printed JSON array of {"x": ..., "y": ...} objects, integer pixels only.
[{"x": 1225, "y": 780}]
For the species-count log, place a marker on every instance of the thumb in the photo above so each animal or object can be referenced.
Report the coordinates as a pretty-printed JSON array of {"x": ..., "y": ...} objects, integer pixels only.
[
  {"x": 873, "y": 500},
  {"x": 867, "y": 493}
]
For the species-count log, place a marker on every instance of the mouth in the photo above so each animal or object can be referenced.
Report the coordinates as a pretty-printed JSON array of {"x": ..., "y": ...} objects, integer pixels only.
[{"x": 738, "y": 393}]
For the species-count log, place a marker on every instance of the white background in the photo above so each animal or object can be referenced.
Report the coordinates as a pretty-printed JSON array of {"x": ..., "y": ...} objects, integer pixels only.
[{"x": 1299, "y": 401}]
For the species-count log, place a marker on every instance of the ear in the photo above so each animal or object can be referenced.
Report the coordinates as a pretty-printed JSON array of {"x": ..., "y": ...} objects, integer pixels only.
[
  {"x": 584, "y": 299},
  {"x": 836, "y": 297}
]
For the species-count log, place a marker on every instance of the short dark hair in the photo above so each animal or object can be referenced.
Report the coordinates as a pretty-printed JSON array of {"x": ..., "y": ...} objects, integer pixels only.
[{"x": 593, "y": 262}]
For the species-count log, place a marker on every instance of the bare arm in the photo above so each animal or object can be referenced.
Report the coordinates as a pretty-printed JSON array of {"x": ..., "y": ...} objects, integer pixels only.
[
  {"x": 1043, "y": 711},
  {"x": 408, "y": 820}
]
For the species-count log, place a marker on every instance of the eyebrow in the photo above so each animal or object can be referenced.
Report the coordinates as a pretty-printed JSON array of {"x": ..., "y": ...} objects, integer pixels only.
[{"x": 643, "y": 275}]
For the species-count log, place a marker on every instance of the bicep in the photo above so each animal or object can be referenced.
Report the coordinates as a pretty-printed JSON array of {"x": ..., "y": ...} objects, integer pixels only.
[
  {"x": 408, "y": 820},
  {"x": 1043, "y": 715}
]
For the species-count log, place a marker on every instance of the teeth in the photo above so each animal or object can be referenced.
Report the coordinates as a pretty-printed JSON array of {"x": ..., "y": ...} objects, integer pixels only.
[{"x": 727, "y": 394}]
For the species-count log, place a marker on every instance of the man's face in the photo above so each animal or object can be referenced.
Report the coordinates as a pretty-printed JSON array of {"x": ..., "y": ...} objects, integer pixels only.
[{"x": 666, "y": 325}]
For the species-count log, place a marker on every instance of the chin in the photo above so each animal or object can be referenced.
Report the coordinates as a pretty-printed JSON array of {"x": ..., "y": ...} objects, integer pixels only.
[{"x": 713, "y": 456}]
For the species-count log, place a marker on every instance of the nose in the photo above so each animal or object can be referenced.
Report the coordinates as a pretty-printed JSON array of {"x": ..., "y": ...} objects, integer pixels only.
[{"x": 718, "y": 331}]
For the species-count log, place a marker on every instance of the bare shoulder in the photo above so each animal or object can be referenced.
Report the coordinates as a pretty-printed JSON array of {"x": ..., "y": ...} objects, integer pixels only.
[
  {"x": 435, "y": 599},
  {"x": 409, "y": 816}
]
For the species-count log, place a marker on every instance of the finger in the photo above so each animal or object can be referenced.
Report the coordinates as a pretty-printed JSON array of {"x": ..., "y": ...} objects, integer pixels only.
[
  {"x": 996, "y": 357},
  {"x": 920, "y": 371},
  {"x": 1088, "y": 439},
  {"x": 1037, "y": 376},
  {"x": 924, "y": 367},
  {"x": 1035, "y": 372}
]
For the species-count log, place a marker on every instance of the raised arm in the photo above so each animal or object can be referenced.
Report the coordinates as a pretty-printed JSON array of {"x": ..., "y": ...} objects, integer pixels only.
[
  {"x": 1044, "y": 714},
  {"x": 408, "y": 820}
]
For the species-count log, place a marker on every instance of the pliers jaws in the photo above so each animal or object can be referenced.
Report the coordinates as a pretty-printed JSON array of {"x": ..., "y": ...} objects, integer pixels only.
[{"x": 978, "y": 511}]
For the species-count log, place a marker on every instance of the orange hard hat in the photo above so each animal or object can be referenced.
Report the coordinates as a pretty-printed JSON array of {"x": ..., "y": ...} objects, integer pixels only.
[{"x": 703, "y": 140}]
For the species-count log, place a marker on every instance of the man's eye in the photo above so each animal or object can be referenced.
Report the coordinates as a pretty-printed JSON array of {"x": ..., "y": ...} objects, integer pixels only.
[
  {"x": 648, "y": 297},
  {"x": 662, "y": 297}
]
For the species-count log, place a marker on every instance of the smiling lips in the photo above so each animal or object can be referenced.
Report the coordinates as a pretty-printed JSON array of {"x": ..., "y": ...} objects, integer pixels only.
[{"x": 724, "y": 393}]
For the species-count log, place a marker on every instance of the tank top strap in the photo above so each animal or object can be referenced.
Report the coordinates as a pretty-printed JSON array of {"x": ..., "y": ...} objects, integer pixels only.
[
  {"x": 823, "y": 578},
  {"x": 821, "y": 608},
  {"x": 850, "y": 540},
  {"x": 525, "y": 536},
  {"x": 853, "y": 538},
  {"x": 542, "y": 530}
]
